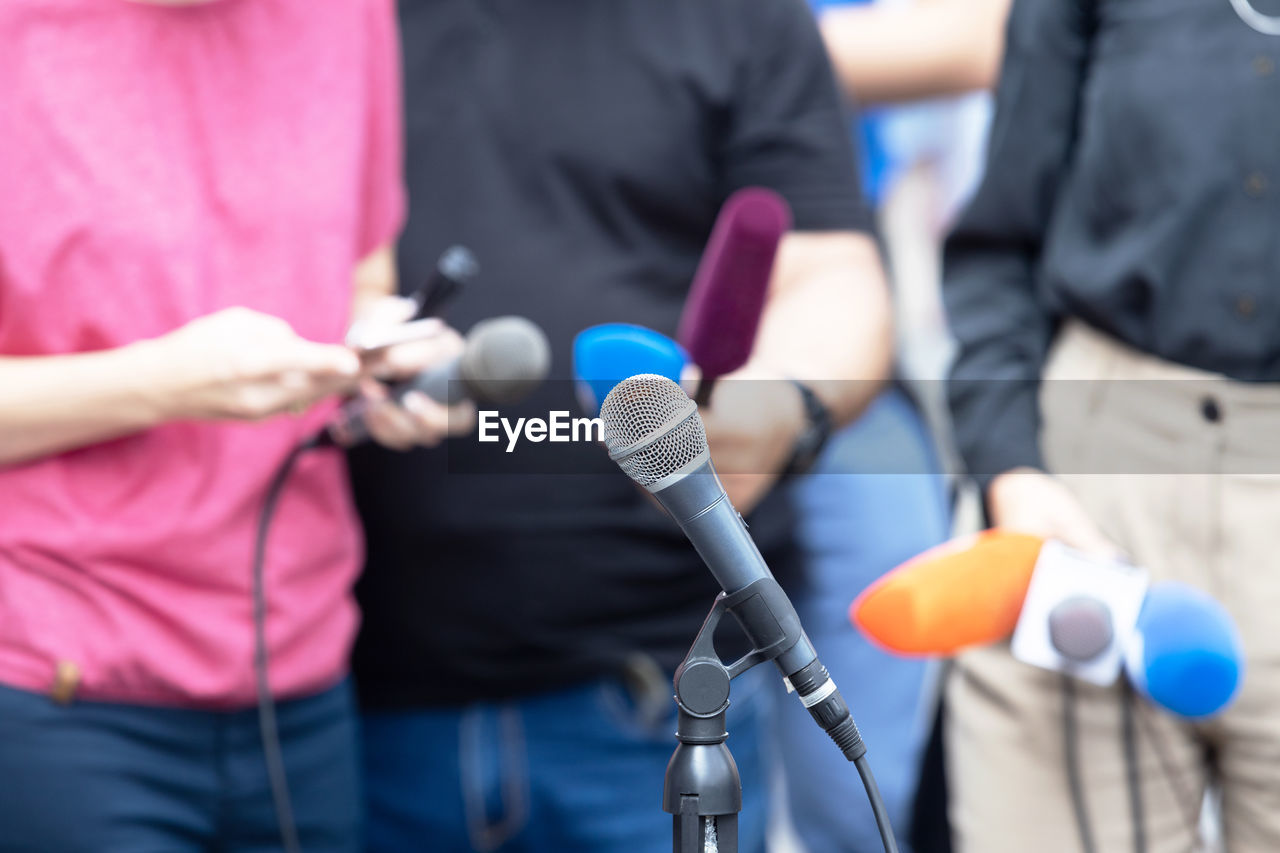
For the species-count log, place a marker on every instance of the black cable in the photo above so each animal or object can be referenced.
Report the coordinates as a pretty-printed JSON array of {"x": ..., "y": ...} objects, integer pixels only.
[
  {"x": 1132, "y": 769},
  {"x": 1071, "y": 744},
  {"x": 1187, "y": 803},
  {"x": 267, "y": 725},
  {"x": 877, "y": 805}
]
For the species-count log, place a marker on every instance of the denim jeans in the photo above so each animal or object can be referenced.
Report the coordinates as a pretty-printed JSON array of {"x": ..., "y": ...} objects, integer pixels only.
[
  {"x": 874, "y": 500},
  {"x": 97, "y": 777},
  {"x": 572, "y": 771}
]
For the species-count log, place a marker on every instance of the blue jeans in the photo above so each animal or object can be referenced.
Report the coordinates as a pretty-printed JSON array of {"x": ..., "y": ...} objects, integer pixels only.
[
  {"x": 873, "y": 501},
  {"x": 572, "y": 771},
  {"x": 96, "y": 777}
]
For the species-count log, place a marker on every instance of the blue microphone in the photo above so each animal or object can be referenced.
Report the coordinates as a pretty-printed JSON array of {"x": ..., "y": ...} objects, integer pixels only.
[
  {"x": 605, "y": 355},
  {"x": 1185, "y": 655}
]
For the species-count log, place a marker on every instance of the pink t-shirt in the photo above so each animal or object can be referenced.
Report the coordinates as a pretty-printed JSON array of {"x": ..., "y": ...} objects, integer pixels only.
[{"x": 158, "y": 164}]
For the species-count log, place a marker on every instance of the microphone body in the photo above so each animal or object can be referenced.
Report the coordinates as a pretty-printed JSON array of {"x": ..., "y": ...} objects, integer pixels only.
[
  {"x": 697, "y": 502},
  {"x": 444, "y": 383},
  {"x": 441, "y": 383}
]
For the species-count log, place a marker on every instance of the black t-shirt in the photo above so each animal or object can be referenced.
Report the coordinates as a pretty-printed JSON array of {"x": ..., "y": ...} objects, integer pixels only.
[{"x": 581, "y": 149}]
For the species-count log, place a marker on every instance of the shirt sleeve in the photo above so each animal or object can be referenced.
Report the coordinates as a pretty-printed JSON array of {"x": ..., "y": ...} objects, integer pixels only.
[
  {"x": 382, "y": 202},
  {"x": 788, "y": 128},
  {"x": 1002, "y": 326}
]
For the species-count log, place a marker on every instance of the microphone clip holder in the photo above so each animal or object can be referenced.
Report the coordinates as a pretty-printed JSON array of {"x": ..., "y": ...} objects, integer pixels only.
[{"x": 702, "y": 790}]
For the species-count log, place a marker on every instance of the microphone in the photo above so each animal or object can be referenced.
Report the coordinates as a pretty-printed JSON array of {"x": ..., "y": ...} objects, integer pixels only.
[
  {"x": 654, "y": 433},
  {"x": 455, "y": 269},
  {"x": 722, "y": 312},
  {"x": 605, "y": 355},
  {"x": 1178, "y": 646},
  {"x": 503, "y": 361}
]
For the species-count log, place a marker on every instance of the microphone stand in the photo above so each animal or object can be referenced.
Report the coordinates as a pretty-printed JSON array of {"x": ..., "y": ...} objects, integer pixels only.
[{"x": 702, "y": 790}]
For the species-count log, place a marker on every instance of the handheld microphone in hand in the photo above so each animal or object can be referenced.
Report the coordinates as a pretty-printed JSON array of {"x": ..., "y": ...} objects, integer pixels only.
[
  {"x": 1180, "y": 649},
  {"x": 722, "y": 312},
  {"x": 504, "y": 360},
  {"x": 654, "y": 433},
  {"x": 455, "y": 269},
  {"x": 605, "y": 355}
]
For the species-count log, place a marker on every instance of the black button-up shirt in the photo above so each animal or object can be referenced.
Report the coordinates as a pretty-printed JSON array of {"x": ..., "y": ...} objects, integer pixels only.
[{"x": 1133, "y": 182}]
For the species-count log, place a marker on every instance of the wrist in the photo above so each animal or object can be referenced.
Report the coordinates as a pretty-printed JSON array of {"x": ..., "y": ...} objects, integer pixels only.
[
  {"x": 809, "y": 440},
  {"x": 155, "y": 383},
  {"x": 1006, "y": 487},
  {"x": 1006, "y": 480}
]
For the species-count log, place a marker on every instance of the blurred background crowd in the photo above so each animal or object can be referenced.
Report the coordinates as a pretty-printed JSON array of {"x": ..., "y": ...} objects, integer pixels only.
[{"x": 219, "y": 632}]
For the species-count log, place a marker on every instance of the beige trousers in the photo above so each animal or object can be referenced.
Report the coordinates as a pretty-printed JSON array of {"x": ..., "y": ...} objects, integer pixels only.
[{"x": 1179, "y": 468}]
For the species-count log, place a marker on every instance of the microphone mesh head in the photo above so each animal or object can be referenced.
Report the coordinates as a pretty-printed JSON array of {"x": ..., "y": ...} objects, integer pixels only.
[
  {"x": 1080, "y": 628},
  {"x": 505, "y": 360},
  {"x": 651, "y": 428}
]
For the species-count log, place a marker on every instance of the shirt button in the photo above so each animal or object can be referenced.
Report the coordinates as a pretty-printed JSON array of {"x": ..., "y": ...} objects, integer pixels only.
[
  {"x": 1245, "y": 306},
  {"x": 1209, "y": 409},
  {"x": 1263, "y": 66},
  {"x": 1255, "y": 184}
]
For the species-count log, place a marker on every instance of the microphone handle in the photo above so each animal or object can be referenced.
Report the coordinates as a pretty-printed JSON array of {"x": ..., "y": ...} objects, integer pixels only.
[
  {"x": 706, "y": 385},
  {"x": 697, "y": 501},
  {"x": 720, "y": 537},
  {"x": 444, "y": 384}
]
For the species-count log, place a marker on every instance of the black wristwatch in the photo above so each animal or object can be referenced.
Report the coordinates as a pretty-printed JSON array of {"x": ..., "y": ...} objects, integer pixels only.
[{"x": 814, "y": 436}]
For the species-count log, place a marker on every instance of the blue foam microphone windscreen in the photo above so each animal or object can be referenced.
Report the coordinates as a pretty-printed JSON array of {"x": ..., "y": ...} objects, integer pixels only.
[
  {"x": 1186, "y": 655},
  {"x": 605, "y": 355}
]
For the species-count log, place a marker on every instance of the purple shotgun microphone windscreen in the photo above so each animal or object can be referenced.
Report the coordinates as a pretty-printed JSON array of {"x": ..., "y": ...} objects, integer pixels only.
[{"x": 722, "y": 313}]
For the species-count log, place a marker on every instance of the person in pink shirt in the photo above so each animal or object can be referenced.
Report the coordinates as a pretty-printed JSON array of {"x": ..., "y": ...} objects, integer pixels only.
[{"x": 193, "y": 196}]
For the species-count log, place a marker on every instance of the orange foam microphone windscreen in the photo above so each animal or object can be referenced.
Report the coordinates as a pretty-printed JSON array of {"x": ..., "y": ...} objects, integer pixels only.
[{"x": 966, "y": 592}]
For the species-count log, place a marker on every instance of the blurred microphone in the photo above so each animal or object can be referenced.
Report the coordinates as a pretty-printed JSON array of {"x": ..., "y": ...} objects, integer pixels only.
[
  {"x": 722, "y": 312},
  {"x": 456, "y": 268},
  {"x": 1178, "y": 646},
  {"x": 966, "y": 592},
  {"x": 654, "y": 433},
  {"x": 605, "y": 355},
  {"x": 504, "y": 360},
  {"x": 453, "y": 272}
]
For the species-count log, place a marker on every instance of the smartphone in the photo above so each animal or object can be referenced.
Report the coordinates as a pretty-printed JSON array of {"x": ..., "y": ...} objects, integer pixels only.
[{"x": 369, "y": 339}]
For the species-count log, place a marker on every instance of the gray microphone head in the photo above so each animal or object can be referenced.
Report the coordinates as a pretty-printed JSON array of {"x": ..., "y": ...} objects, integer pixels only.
[
  {"x": 505, "y": 359},
  {"x": 653, "y": 430},
  {"x": 1080, "y": 628}
]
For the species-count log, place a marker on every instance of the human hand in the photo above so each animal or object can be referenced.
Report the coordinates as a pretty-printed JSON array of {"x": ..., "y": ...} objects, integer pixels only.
[
  {"x": 1026, "y": 500},
  {"x": 752, "y": 423},
  {"x": 241, "y": 364},
  {"x": 413, "y": 418}
]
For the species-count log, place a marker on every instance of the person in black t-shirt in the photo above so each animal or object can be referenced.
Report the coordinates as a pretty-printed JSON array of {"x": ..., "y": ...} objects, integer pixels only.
[{"x": 521, "y": 627}]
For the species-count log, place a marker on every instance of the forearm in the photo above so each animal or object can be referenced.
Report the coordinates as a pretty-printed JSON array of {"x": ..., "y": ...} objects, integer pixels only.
[
  {"x": 51, "y": 404},
  {"x": 374, "y": 278},
  {"x": 929, "y": 48},
  {"x": 828, "y": 321}
]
